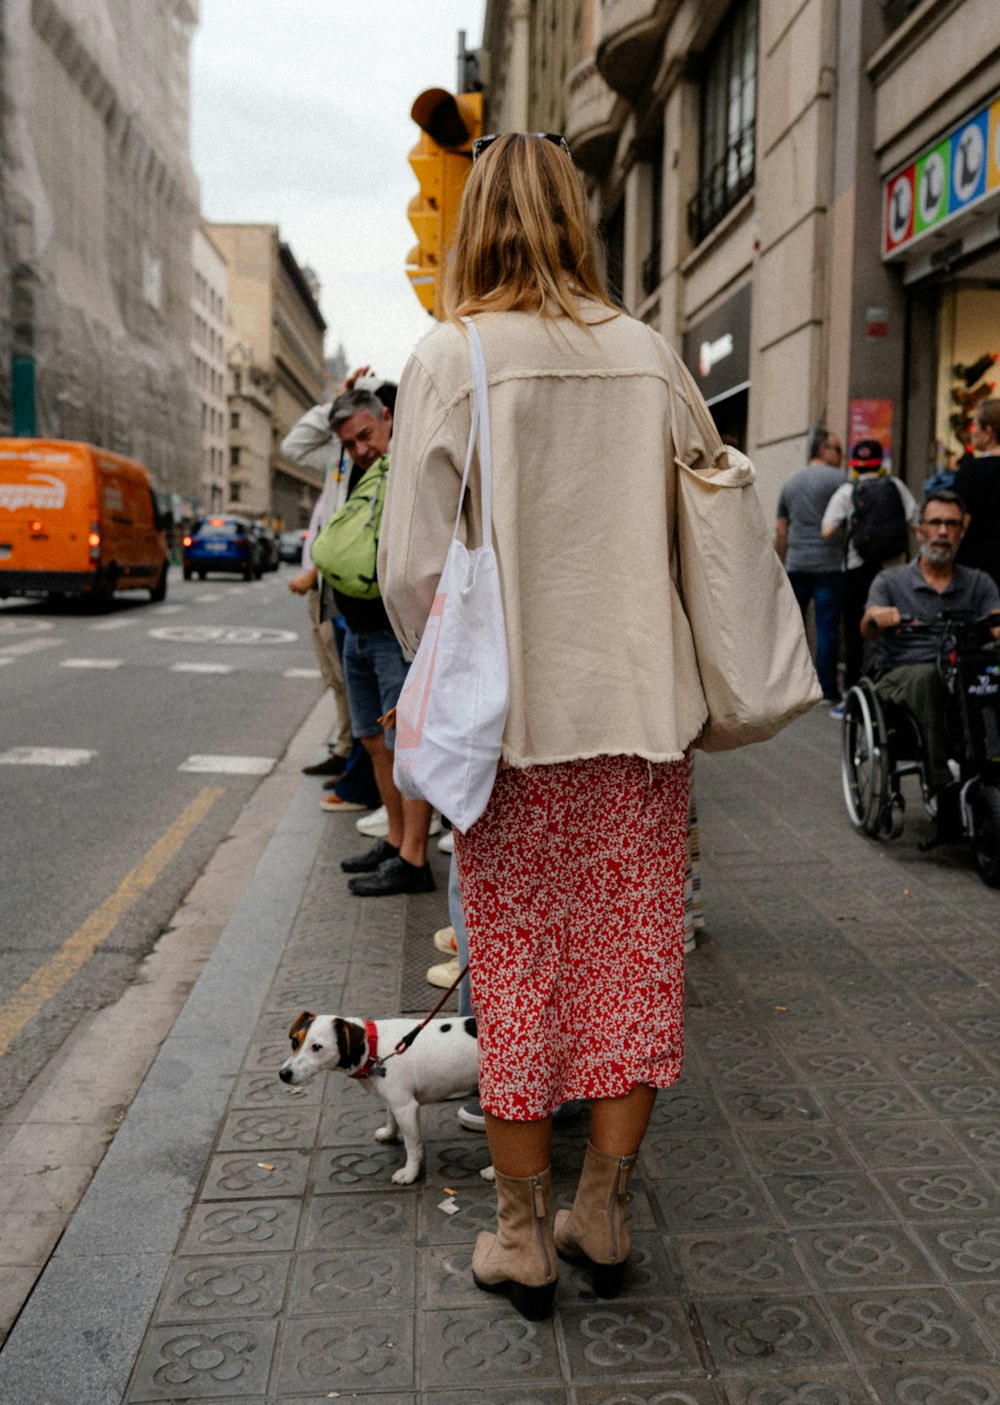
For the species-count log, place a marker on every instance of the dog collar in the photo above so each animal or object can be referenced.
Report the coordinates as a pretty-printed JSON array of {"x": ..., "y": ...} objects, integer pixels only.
[{"x": 371, "y": 1037}]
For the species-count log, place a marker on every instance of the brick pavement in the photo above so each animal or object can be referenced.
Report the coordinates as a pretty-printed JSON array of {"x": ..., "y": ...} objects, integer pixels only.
[{"x": 816, "y": 1218}]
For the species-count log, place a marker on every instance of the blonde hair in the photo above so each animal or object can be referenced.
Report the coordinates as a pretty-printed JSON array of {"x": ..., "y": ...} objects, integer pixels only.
[{"x": 525, "y": 240}]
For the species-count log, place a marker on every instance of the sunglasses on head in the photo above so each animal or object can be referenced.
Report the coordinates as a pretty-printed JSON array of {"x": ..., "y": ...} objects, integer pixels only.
[{"x": 482, "y": 144}]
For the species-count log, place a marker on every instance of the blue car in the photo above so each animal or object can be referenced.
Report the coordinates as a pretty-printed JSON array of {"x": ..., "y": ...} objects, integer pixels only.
[{"x": 222, "y": 544}]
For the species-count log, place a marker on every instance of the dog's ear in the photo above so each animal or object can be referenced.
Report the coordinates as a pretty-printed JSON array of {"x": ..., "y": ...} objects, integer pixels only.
[
  {"x": 297, "y": 1033},
  {"x": 351, "y": 1043}
]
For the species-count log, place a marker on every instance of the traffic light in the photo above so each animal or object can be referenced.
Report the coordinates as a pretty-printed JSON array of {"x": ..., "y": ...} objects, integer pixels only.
[{"x": 441, "y": 161}]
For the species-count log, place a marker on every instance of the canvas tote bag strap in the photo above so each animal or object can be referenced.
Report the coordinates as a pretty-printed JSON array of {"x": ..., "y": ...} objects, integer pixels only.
[{"x": 480, "y": 426}]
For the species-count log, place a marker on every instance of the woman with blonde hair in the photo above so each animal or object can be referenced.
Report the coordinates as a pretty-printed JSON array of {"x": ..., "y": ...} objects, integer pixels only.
[{"x": 573, "y": 879}]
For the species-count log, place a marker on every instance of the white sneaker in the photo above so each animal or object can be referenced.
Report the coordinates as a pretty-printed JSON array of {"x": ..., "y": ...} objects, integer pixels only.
[
  {"x": 444, "y": 940},
  {"x": 445, "y": 974},
  {"x": 446, "y": 844},
  {"x": 375, "y": 825}
]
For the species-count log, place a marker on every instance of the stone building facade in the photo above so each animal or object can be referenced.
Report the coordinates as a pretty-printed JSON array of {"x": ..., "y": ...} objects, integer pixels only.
[
  {"x": 275, "y": 357},
  {"x": 99, "y": 206},
  {"x": 209, "y": 365},
  {"x": 740, "y": 155}
]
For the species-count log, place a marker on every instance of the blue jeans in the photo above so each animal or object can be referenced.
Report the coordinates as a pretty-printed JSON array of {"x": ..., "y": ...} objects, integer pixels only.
[
  {"x": 461, "y": 938},
  {"x": 374, "y": 674},
  {"x": 823, "y": 589},
  {"x": 357, "y": 784}
]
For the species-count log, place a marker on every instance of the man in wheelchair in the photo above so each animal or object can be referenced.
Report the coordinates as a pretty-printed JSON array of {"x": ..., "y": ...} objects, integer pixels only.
[{"x": 904, "y": 614}]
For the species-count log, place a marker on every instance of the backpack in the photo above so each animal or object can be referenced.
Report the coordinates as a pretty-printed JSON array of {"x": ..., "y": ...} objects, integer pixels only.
[
  {"x": 345, "y": 550},
  {"x": 878, "y": 522}
]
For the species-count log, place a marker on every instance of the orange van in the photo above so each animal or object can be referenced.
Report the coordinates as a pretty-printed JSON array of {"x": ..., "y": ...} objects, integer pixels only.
[{"x": 76, "y": 520}]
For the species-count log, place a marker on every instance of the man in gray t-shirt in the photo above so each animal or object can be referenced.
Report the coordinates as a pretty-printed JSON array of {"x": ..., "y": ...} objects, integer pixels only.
[
  {"x": 922, "y": 590},
  {"x": 814, "y": 566}
]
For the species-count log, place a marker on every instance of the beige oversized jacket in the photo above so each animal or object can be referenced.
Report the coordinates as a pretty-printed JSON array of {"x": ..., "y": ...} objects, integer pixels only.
[{"x": 601, "y": 656}]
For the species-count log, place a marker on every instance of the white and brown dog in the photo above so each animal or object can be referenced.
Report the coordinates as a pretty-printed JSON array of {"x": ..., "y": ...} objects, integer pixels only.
[{"x": 441, "y": 1062}]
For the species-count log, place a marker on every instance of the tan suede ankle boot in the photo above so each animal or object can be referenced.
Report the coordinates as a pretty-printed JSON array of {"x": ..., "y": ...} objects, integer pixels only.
[
  {"x": 595, "y": 1231},
  {"x": 520, "y": 1259}
]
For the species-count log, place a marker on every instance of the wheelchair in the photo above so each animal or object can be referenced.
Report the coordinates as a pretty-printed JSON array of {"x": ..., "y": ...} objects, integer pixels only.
[{"x": 880, "y": 745}]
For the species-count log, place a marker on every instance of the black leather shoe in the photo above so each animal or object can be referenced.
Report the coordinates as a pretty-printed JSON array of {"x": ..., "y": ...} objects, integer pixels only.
[
  {"x": 394, "y": 876},
  {"x": 380, "y": 852},
  {"x": 332, "y": 766}
]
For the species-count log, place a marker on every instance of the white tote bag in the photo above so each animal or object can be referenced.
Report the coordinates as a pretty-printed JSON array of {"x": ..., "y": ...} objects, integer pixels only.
[{"x": 451, "y": 712}]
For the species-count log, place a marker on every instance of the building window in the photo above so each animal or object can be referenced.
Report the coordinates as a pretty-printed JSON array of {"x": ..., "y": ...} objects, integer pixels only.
[
  {"x": 614, "y": 245},
  {"x": 651, "y": 264},
  {"x": 237, "y": 379},
  {"x": 896, "y": 11},
  {"x": 234, "y": 456},
  {"x": 728, "y": 119},
  {"x": 234, "y": 419},
  {"x": 234, "y": 492}
]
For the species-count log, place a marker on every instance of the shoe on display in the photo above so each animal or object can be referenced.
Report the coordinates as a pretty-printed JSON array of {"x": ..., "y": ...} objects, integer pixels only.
[
  {"x": 444, "y": 940},
  {"x": 471, "y": 1115},
  {"x": 446, "y": 844},
  {"x": 445, "y": 974},
  {"x": 330, "y": 766},
  {"x": 392, "y": 877},
  {"x": 333, "y": 805},
  {"x": 375, "y": 825},
  {"x": 369, "y": 861}
]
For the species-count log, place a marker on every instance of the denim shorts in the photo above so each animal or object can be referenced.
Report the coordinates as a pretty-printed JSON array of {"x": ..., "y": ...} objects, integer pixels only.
[{"x": 374, "y": 673}]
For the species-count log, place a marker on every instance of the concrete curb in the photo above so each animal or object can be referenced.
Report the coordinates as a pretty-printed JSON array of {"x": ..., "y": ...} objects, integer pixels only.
[{"x": 79, "y": 1333}]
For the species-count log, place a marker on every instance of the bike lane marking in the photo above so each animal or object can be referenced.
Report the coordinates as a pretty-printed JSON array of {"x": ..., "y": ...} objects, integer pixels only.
[{"x": 49, "y": 979}]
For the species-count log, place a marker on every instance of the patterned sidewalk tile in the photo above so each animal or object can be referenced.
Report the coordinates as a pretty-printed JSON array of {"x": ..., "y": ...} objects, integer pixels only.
[{"x": 212, "y": 1361}]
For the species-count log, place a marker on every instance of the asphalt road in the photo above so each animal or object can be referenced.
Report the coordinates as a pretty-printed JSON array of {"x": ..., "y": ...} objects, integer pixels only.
[{"x": 130, "y": 739}]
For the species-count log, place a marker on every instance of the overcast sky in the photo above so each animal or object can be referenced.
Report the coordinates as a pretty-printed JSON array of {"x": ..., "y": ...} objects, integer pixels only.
[{"x": 301, "y": 117}]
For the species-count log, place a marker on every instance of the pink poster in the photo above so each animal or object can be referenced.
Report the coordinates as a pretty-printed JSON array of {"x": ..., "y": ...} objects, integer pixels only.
[{"x": 872, "y": 419}]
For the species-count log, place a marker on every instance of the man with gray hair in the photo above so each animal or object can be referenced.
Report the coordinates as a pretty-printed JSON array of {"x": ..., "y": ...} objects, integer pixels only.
[
  {"x": 814, "y": 566},
  {"x": 374, "y": 672}
]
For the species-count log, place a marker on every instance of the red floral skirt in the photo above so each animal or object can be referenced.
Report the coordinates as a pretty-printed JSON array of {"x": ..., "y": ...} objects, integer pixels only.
[{"x": 573, "y": 895}]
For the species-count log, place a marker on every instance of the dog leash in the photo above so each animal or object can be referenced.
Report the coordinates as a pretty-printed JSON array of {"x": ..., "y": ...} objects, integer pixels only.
[{"x": 411, "y": 1034}]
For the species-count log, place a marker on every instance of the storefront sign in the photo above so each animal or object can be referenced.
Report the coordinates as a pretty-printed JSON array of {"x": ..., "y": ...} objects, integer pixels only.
[
  {"x": 944, "y": 181},
  {"x": 876, "y": 322},
  {"x": 872, "y": 419},
  {"x": 717, "y": 349}
]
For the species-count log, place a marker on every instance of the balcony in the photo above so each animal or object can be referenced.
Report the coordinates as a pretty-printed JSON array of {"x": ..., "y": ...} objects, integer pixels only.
[
  {"x": 629, "y": 31},
  {"x": 594, "y": 116}
]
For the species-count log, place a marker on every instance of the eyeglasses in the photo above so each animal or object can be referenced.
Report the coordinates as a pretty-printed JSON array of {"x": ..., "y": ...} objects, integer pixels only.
[
  {"x": 482, "y": 144},
  {"x": 833, "y": 447},
  {"x": 951, "y": 524}
]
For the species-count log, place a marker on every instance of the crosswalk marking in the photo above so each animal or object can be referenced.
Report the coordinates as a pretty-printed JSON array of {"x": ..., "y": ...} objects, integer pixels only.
[
  {"x": 301, "y": 673},
  {"x": 29, "y": 646},
  {"x": 229, "y": 765},
  {"x": 169, "y": 609},
  {"x": 119, "y": 622},
  {"x": 92, "y": 663},
  {"x": 4, "y": 660},
  {"x": 200, "y": 668},
  {"x": 45, "y": 756}
]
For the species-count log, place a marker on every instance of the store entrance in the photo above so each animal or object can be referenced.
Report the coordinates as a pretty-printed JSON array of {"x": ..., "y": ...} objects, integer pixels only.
[
  {"x": 730, "y": 415},
  {"x": 953, "y": 362}
]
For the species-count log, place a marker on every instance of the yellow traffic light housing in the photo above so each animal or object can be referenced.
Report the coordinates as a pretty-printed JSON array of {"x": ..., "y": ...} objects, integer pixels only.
[{"x": 441, "y": 161}]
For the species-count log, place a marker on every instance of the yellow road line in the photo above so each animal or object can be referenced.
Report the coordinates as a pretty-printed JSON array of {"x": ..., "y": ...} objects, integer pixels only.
[{"x": 49, "y": 979}]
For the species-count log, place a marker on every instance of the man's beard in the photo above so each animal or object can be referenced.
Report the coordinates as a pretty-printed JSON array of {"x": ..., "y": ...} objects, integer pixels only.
[{"x": 937, "y": 553}]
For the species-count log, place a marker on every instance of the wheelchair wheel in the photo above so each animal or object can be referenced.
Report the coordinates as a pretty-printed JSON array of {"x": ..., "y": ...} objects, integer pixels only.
[
  {"x": 986, "y": 834},
  {"x": 864, "y": 761}
]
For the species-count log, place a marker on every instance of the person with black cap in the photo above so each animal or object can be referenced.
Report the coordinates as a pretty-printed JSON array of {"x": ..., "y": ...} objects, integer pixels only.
[{"x": 872, "y": 513}]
